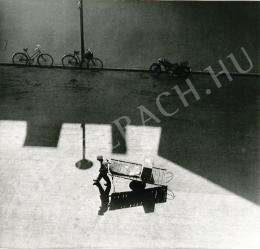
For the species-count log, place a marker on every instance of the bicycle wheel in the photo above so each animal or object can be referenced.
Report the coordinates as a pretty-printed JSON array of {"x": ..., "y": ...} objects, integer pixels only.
[
  {"x": 95, "y": 64},
  {"x": 20, "y": 59},
  {"x": 69, "y": 61},
  {"x": 45, "y": 60},
  {"x": 155, "y": 69}
]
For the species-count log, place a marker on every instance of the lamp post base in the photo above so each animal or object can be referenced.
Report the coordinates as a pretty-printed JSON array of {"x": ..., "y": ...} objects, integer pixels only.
[{"x": 84, "y": 164}]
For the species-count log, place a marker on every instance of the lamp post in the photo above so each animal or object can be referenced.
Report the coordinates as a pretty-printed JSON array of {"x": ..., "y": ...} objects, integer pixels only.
[
  {"x": 84, "y": 163},
  {"x": 80, "y": 3}
]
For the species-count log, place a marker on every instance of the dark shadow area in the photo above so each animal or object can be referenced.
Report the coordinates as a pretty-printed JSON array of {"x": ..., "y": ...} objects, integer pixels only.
[
  {"x": 104, "y": 198},
  {"x": 221, "y": 139},
  {"x": 35, "y": 130},
  {"x": 146, "y": 198},
  {"x": 216, "y": 137}
]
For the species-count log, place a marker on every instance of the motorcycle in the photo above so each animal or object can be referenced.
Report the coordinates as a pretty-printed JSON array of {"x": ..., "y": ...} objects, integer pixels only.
[{"x": 173, "y": 69}]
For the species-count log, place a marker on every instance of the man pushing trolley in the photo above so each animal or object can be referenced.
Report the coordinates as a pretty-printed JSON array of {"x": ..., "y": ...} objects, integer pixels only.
[
  {"x": 132, "y": 171},
  {"x": 139, "y": 176},
  {"x": 103, "y": 171}
]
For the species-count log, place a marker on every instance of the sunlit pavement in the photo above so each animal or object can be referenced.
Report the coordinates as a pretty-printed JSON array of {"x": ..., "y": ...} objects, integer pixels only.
[{"x": 46, "y": 202}]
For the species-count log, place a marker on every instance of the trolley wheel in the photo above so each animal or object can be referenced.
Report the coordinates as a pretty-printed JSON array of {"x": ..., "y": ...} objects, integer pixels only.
[
  {"x": 185, "y": 72},
  {"x": 137, "y": 186}
]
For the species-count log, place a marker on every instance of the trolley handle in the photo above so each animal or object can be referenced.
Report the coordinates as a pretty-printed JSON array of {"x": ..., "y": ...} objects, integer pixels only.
[{"x": 169, "y": 176}]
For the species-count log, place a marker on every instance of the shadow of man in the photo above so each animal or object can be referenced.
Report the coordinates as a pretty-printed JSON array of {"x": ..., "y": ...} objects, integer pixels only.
[{"x": 104, "y": 197}]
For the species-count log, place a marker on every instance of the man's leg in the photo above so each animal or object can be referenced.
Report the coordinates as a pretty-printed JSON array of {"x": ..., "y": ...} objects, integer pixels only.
[
  {"x": 106, "y": 178},
  {"x": 101, "y": 190},
  {"x": 98, "y": 179}
]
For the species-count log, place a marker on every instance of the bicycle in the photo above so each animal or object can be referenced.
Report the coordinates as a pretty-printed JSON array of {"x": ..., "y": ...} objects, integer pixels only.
[
  {"x": 73, "y": 60},
  {"x": 24, "y": 58}
]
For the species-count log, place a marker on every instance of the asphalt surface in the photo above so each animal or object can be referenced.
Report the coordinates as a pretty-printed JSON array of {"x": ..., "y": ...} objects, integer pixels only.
[{"x": 211, "y": 146}]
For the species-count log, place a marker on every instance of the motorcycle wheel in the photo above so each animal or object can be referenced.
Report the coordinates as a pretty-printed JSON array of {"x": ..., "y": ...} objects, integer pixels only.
[
  {"x": 185, "y": 72},
  {"x": 172, "y": 73},
  {"x": 155, "y": 69}
]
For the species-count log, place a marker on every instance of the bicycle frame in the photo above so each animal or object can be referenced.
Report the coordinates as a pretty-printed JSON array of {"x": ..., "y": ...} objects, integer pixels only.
[
  {"x": 24, "y": 57},
  {"x": 36, "y": 54},
  {"x": 77, "y": 57}
]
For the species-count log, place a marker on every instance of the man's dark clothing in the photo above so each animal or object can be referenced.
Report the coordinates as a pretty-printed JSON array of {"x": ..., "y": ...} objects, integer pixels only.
[{"x": 103, "y": 173}]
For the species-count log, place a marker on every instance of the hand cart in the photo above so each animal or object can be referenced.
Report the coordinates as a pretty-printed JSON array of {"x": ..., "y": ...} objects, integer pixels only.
[{"x": 137, "y": 172}]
